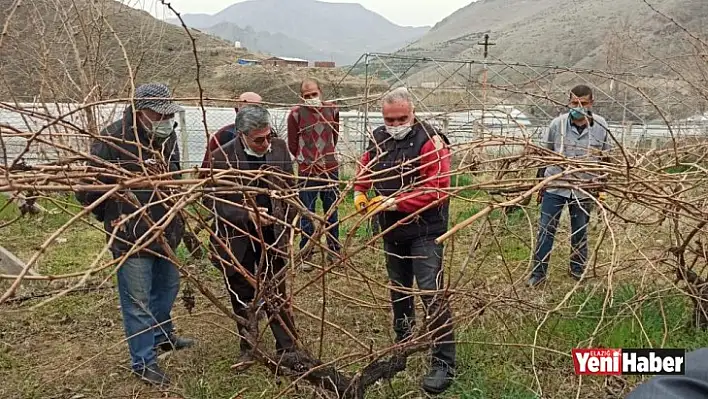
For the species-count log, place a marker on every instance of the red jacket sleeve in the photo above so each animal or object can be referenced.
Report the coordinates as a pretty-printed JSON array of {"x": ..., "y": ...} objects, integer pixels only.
[
  {"x": 435, "y": 177},
  {"x": 361, "y": 183},
  {"x": 293, "y": 132},
  {"x": 211, "y": 146}
]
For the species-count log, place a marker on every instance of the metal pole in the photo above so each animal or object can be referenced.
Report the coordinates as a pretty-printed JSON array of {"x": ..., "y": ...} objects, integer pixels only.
[
  {"x": 183, "y": 134},
  {"x": 372, "y": 224},
  {"x": 366, "y": 103},
  {"x": 486, "y": 45}
]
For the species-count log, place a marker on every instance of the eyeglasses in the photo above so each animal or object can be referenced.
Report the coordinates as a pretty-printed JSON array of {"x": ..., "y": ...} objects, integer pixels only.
[
  {"x": 401, "y": 119},
  {"x": 261, "y": 140},
  {"x": 308, "y": 96}
]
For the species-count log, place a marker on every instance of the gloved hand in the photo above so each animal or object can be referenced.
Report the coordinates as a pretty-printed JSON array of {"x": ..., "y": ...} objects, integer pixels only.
[
  {"x": 539, "y": 196},
  {"x": 361, "y": 202},
  {"x": 381, "y": 203},
  {"x": 602, "y": 196},
  {"x": 263, "y": 214}
]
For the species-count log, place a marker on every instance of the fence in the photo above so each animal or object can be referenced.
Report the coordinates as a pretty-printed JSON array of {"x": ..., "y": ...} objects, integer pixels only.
[{"x": 460, "y": 127}]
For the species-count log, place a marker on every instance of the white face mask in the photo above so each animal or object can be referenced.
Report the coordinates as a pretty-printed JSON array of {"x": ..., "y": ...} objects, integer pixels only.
[
  {"x": 161, "y": 129},
  {"x": 313, "y": 102},
  {"x": 398, "y": 132},
  {"x": 252, "y": 153}
]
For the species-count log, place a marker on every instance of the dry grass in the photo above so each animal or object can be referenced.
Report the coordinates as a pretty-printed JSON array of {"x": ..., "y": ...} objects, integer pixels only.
[{"x": 74, "y": 346}]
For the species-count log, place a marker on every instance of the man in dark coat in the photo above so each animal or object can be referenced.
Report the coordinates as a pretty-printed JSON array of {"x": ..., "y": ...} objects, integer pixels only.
[
  {"x": 243, "y": 216},
  {"x": 227, "y": 133},
  {"x": 694, "y": 384},
  {"x": 411, "y": 163},
  {"x": 148, "y": 282}
]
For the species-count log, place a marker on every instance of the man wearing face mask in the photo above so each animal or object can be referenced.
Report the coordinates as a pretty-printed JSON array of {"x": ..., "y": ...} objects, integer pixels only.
[
  {"x": 241, "y": 217},
  {"x": 143, "y": 141},
  {"x": 411, "y": 162},
  {"x": 227, "y": 133},
  {"x": 313, "y": 133},
  {"x": 579, "y": 134}
]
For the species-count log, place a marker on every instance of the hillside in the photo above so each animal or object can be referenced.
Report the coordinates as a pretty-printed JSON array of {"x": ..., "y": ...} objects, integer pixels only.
[
  {"x": 266, "y": 42},
  {"x": 80, "y": 50},
  {"x": 282, "y": 85},
  {"x": 545, "y": 46},
  {"x": 86, "y": 50},
  {"x": 339, "y": 31},
  {"x": 591, "y": 34}
]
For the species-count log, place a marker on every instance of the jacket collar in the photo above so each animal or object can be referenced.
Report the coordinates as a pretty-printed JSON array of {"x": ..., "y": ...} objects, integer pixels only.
[{"x": 591, "y": 120}]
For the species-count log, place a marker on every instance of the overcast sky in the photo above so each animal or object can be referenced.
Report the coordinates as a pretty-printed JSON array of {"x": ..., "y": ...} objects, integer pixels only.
[{"x": 401, "y": 12}]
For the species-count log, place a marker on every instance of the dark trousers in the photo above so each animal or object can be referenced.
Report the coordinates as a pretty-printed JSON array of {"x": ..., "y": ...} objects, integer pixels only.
[
  {"x": 551, "y": 209},
  {"x": 421, "y": 259},
  {"x": 308, "y": 194},
  {"x": 242, "y": 293}
]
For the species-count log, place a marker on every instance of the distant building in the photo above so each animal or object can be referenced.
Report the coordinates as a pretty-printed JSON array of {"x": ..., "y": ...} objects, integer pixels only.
[
  {"x": 237, "y": 44},
  {"x": 324, "y": 64},
  {"x": 284, "y": 61},
  {"x": 243, "y": 61}
]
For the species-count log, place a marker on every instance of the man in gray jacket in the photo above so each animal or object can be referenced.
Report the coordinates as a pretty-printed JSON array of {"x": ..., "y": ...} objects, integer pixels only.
[{"x": 580, "y": 135}]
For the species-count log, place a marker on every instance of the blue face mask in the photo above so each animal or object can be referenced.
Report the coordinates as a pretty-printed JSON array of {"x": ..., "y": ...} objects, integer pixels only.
[{"x": 578, "y": 112}]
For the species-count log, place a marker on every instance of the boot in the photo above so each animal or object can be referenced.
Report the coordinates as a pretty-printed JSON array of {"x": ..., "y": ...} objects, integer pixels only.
[
  {"x": 153, "y": 375},
  {"x": 245, "y": 359},
  {"x": 176, "y": 343},
  {"x": 442, "y": 367},
  {"x": 244, "y": 362},
  {"x": 439, "y": 378},
  {"x": 307, "y": 263}
]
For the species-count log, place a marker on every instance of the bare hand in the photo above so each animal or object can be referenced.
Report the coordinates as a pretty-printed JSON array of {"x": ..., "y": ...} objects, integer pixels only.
[{"x": 260, "y": 217}]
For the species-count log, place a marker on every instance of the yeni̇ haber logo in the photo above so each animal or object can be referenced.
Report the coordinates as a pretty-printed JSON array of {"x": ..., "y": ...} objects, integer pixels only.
[{"x": 625, "y": 361}]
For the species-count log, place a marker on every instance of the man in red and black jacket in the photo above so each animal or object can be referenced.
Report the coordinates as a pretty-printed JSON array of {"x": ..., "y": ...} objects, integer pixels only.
[
  {"x": 410, "y": 163},
  {"x": 313, "y": 133}
]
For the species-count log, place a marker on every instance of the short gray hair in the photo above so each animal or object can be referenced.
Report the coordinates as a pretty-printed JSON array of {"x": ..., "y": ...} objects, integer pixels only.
[
  {"x": 252, "y": 117},
  {"x": 398, "y": 94}
]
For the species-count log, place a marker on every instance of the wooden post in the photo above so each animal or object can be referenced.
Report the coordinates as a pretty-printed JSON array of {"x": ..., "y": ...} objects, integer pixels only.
[{"x": 11, "y": 264}]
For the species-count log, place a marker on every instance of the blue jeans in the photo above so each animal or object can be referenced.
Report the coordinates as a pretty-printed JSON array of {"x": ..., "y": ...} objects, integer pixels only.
[
  {"x": 551, "y": 210},
  {"x": 308, "y": 196},
  {"x": 147, "y": 288}
]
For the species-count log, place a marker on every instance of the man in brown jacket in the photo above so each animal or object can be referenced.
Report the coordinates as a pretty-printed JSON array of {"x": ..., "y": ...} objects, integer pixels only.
[{"x": 243, "y": 215}]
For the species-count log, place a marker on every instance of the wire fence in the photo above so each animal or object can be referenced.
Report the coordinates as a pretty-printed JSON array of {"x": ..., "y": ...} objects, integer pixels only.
[
  {"x": 355, "y": 128},
  {"x": 475, "y": 102},
  {"x": 466, "y": 99}
]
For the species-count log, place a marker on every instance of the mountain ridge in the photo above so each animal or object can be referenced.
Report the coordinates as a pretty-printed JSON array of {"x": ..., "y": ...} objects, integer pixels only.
[
  {"x": 339, "y": 31},
  {"x": 551, "y": 32},
  {"x": 83, "y": 51}
]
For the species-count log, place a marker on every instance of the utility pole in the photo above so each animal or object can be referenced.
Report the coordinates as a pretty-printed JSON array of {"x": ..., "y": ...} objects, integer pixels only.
[{"x": 486, "y": 45}]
